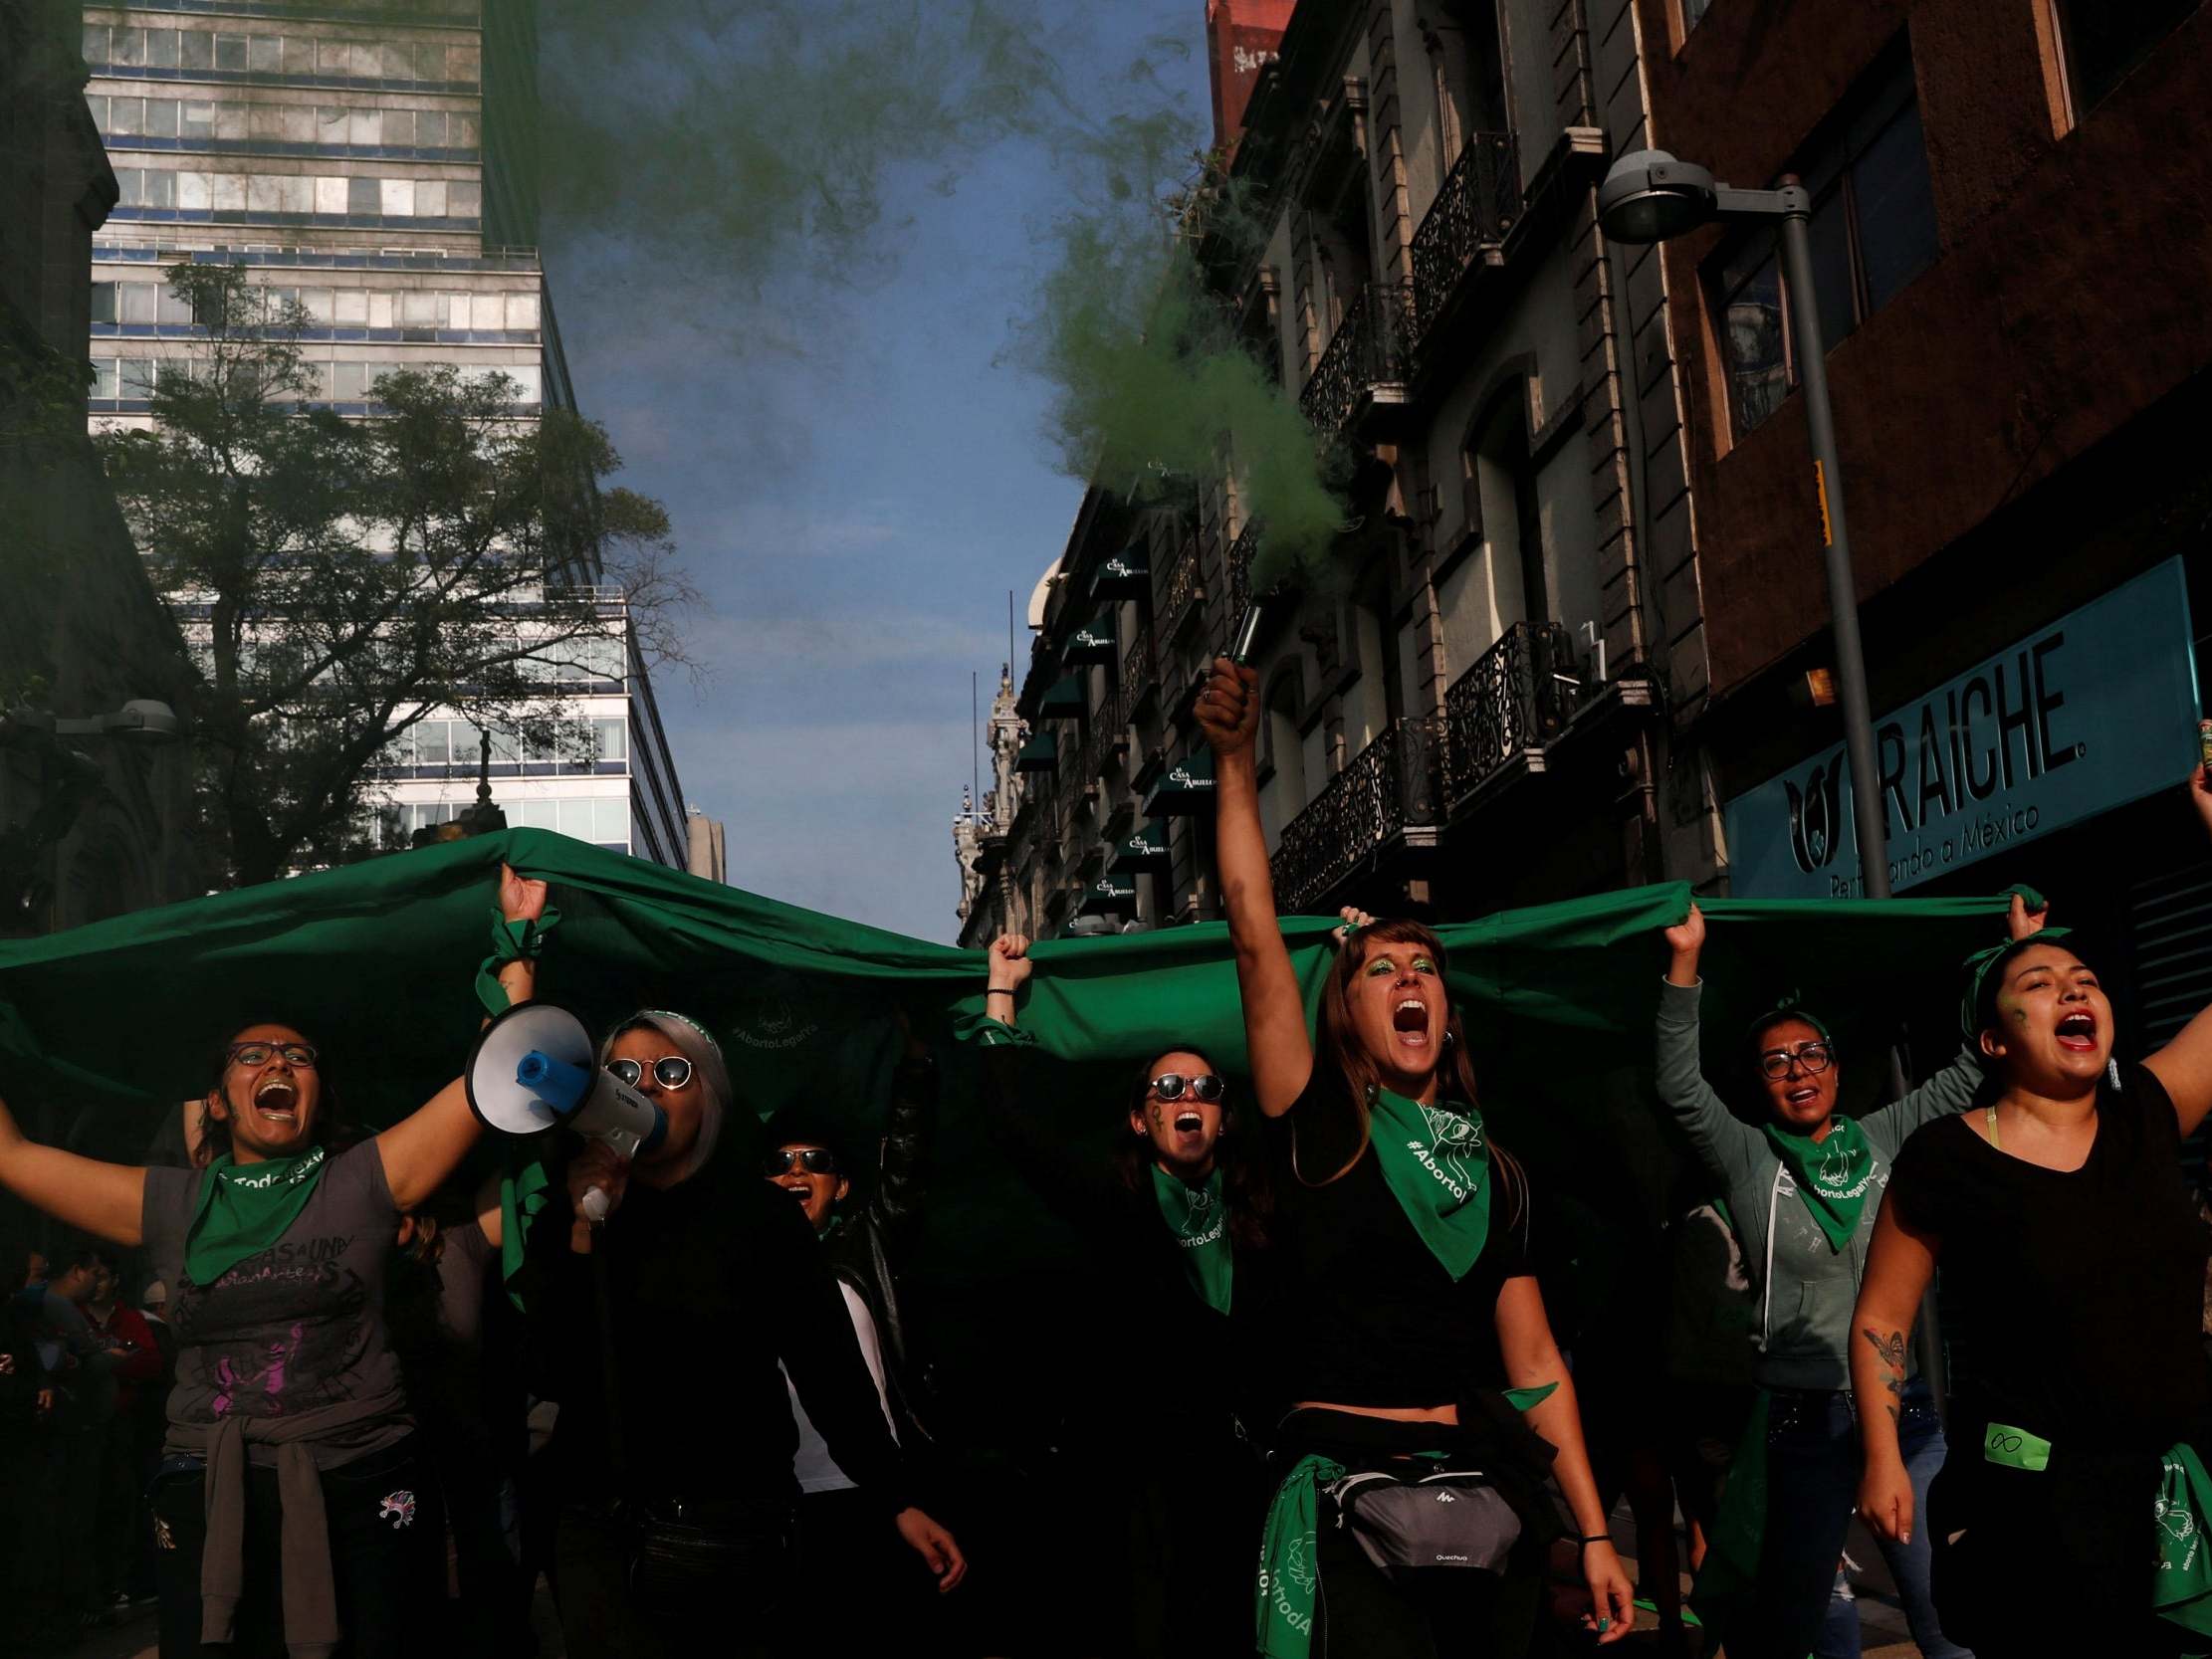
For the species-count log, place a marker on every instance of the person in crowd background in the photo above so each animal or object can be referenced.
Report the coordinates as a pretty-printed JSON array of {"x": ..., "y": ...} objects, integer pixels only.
[
  {"x": 1409, "y": 1300},
  {"x": 32, "y": 1619},
  {"x": 1176, "y": 1224},
  {"x": 288, "y": 1418},
  {"x": 844, "y": 1549},
  {"x": 679, "y": 1530},
  {"x": 150, "y": 1427},
  {"x": 2073, "y": 1268},
  {"x": 1804, "y": 1186},
  {"x": 134, "y": 1363}
]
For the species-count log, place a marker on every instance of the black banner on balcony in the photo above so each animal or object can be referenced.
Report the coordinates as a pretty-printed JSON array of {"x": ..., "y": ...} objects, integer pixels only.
[
  {"x": 1144, "y": 849},
  {"x": 1093, "y": 642},
  {"x": 1186, "y": 787},
  {"x": 1125, "y": 575}
]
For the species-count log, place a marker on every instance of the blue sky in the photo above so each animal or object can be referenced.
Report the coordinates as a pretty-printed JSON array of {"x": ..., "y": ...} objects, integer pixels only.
[{"x": 856, "y": 477}]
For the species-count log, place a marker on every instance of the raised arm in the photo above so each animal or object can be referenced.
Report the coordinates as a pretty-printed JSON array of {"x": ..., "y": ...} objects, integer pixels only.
[
  {"x": 1900, "y": 1265},
  {"x": 106, "y": 1201},
  {"x": 2185, "y": 1065},
  {"x": 1954, "y": 1087},
  {"x": 1725, "y": 1147},
  {"x": 422, "y": 1149},
  {"x": 1082, "y": 1187},
  {"x": 1282, "y": 1049}
]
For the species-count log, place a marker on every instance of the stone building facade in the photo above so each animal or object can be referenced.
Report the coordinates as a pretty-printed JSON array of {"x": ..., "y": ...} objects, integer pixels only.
[
  {"x": 2006, "y": 240},
  {"x": 95, "y": 827},
  {"x": 1487, "y": 699}
]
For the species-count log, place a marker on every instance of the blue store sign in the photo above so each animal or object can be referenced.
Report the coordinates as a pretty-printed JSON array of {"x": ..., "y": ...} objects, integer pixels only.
[{"x": 2094, "y": 712}]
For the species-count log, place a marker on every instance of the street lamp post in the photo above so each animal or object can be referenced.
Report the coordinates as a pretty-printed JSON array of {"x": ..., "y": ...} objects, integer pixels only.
[{"x": 1648, "y": 196}]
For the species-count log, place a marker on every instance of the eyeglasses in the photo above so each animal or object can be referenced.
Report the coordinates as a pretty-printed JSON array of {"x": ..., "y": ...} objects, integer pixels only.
[
  {"x": 815, "y": 1160},
  {"x": 1169, "y": 1086},
  {"x": 1811, "y": 1058},
  {"x": 250, "y": 1055},
  {"x": 670, "y": 1071}
]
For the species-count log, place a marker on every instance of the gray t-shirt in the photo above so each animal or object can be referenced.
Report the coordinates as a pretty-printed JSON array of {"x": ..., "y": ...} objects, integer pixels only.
[{"x": 296, "y": 1328}]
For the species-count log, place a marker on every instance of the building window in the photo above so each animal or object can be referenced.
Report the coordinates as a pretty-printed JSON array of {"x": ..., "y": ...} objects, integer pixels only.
[
  {"x": 1872, "y": 230},
  {"x": 2103, "y": 41}
]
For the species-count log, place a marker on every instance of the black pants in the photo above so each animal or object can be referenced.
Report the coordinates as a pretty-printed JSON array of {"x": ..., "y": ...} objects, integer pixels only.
[
  {"x": 385, "y": 1558},
  {"x": 609, "y": 1610}
]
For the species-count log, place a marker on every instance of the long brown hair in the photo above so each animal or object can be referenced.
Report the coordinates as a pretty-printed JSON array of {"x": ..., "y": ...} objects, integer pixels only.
[
  {"x": 1341, "y": 1054},
  {"x": 1244, "y": 1186}
]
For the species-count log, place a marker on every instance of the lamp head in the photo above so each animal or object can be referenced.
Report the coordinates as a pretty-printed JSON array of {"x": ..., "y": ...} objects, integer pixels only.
[
  {"x": 1648, "y": 196},
  {"x": 145, "y": 721}
]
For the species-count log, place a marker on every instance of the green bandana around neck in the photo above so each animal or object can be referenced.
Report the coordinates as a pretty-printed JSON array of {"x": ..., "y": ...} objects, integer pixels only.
[
  {"x": 1437, "y": 1163},
  {"x": 1199, "y": 1221},
  {"x": 243, "y": 1208},
  {"x": 1832, "y": 1175},
  {"x": 1289, "y": 1560}
]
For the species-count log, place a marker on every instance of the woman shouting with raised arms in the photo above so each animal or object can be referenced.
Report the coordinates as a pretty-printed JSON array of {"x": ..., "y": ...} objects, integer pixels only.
[{"x": 1412, "y": 1336}]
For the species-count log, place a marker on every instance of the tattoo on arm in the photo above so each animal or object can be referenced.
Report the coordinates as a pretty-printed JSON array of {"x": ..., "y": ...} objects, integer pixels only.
[
  {"x": 1890, "y": 1406},
  {"x": 1890, "y": 1348}
]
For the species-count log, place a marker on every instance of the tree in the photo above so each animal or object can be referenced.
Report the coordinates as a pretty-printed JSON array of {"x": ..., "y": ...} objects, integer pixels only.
[{"x": 338, "y": 579}]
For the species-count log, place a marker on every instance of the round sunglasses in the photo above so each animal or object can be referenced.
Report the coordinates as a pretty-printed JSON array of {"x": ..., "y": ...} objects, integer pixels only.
[
  {"x": 670, "y": 1071},
  {"x": 815, "y": 1160},
  {"x": 1169, "y": 1086}
]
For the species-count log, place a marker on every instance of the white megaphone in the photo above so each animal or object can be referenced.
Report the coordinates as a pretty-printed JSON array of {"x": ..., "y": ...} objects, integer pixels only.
[{"x": 533, "y": 1069}]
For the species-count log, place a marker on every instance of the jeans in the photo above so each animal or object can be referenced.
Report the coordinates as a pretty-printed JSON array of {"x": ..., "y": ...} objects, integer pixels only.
[{"x": 1813, "y": 1465}]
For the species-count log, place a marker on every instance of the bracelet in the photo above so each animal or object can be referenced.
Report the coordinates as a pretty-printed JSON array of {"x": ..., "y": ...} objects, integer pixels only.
[
  {"x": 998, "y": 991},
  {"x": 1593, "y": 1538}
]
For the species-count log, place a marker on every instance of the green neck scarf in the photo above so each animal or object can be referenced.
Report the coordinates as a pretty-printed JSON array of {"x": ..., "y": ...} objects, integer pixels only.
[
  {"x": 1832, "y": 1175},
  {"x": 1199, "y": 1221},
  {"x": 243, "y": 1208},
  {"x": 1438, "y": 1166}
]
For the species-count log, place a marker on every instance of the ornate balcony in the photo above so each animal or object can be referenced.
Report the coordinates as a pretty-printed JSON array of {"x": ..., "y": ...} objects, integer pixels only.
[
  {"x": 1467, "y": 225},
  {"x": 1502, "y": 711},
  {"x": 1107, "y": 740},
  {"x": 1388, "y": 787},
  {"x": 1182, "y": 589},
  {"x": 1139, "y": 673},
  {"x": 1367, "y": 361}
]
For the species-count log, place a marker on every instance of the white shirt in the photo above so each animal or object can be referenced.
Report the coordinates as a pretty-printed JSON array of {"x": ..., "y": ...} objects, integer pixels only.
[{"x": 817, "y": 1470}]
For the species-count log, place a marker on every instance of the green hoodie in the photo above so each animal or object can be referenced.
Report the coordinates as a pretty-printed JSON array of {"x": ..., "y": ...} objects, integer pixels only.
[{"x": 1805, "y": 1285}]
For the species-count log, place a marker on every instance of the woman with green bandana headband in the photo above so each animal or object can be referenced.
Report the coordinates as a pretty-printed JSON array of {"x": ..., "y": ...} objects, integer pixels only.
[
  {"x": 1411, "y": 1340},
  {"x": 2074, "y": 1269},
  {"x": 1174, "y": 1227},
  {"x": 288, "y": 1418},
  {"x": 1803, "y": 1185}
]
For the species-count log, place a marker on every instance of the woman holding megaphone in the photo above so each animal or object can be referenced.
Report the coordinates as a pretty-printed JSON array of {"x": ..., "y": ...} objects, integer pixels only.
[
  {"x": 285, "y": 1509},
  {"x": 666, "y": 1315}
]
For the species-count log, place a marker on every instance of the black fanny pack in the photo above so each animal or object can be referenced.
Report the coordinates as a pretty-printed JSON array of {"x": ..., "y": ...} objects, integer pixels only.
[
  {"x": 682, "y": 1552},
  {"x": 1411, "y": 1516}
]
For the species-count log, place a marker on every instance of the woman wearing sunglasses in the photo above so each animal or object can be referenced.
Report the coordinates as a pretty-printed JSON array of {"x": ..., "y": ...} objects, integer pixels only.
[
  {"x": 1803, "y": 1187},
  {"x": 1412, "y": 1338},
  {"x": 1174, "y": 1223},
  {"x": 674, "y": 1445},
  {"x": 289, "y": 1420}
]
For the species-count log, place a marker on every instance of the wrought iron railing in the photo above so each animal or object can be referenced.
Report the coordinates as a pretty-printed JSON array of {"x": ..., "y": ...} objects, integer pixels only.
[
  {"x": 1138, "y": 671},
  {"x": 1388, "y": 785},
  {"x": 1370, "y": 348},
  {"x": 1183, "y": 588},
  {"x": 1516, "y": 699},
  {"x": 1479, "y": 203},
  {"x": 1240, "y": 571},
  {"x": 1106, "y": 734}
]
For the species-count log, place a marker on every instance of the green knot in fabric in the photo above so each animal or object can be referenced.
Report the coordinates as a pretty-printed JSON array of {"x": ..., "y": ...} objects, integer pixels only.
[
  {"x": 1436, "y": 1160},
  {"x": 522, "y": 941},
  {"x": 243, "y": 1209},
  {"x": 1833, "y": 1175},
  {"x": 1198, "y": 1218}
]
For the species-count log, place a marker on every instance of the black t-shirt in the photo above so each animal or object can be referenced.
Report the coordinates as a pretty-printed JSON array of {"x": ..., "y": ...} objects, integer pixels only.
[
  {"x": 1365, "y": 1313},
  {"x": 2075, "y": 1297}
]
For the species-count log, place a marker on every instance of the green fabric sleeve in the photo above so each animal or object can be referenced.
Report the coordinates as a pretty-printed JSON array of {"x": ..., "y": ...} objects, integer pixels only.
[{"x": 1732, "y": 1151}]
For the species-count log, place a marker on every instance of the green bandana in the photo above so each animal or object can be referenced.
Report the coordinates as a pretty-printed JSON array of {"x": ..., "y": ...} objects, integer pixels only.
[
  {"x": 1199, "y": 1221},
  {"x": 1438, "y": 1166},
  {"x": 245, "y": 1208},
  {"x": 2184, "y": 1585},
  {"x": 1832, "y": 1175},
  {"x": 1289, "y": 1560}
]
